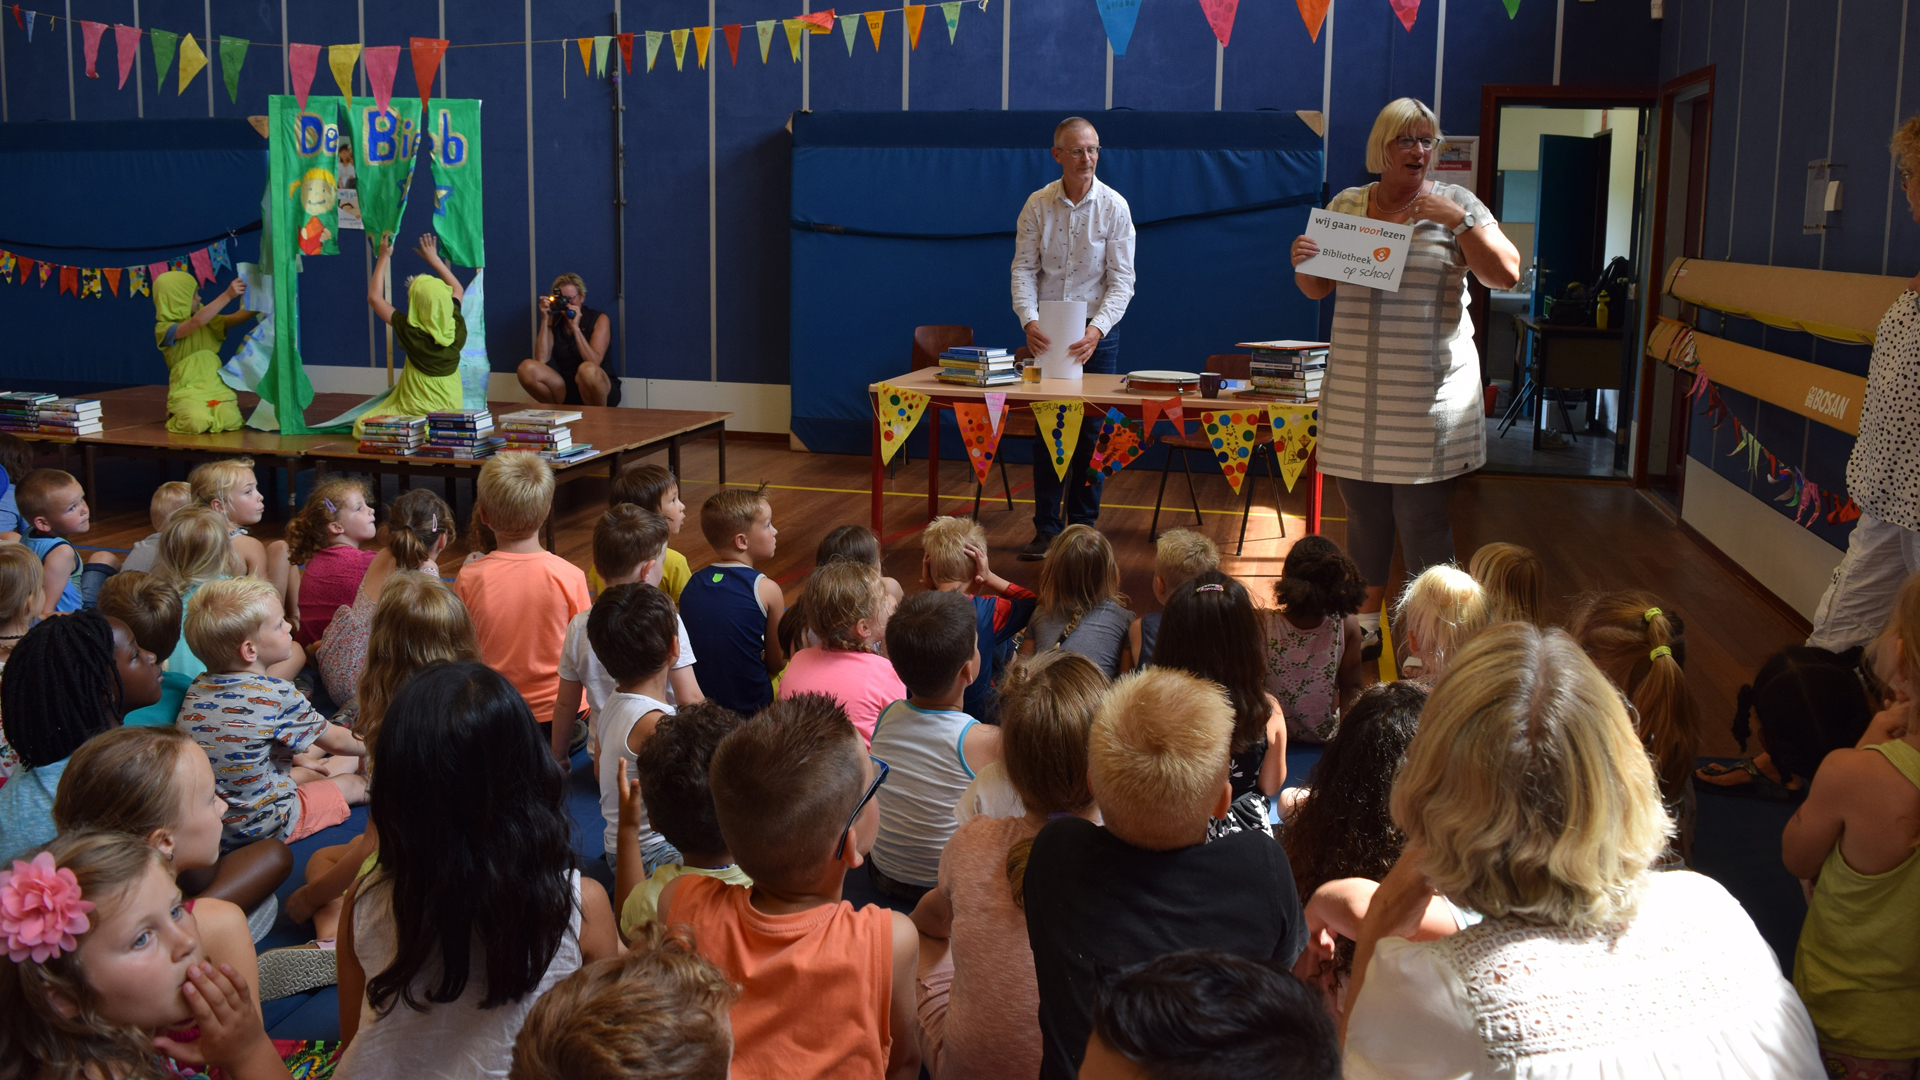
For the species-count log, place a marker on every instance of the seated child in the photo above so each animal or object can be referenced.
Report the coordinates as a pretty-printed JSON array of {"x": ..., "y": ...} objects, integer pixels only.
[
  {"x": 1513, "y": 578},
  {"x": 172, "y": 496},
  {"x": 1439, "y": 612},
  {"x": 857, "y": 543},
  {"x": 68, "y": 680},
  {"x": 101, "y": 891},
  {"x": 323, "y": 543},
  {"x": 659, "y": 1011},
  {"x": 955, "y": 560},
  {"x": 419, "y": 528},
  {"x": 16, "y": 461},
  {"x": 1313, "y": 638},
  {"x": 932, "y": 746},
  {"x": 1214, "y": 632},
  {"x": 1081, "y": 606},
  {"x": 848, "y": 610},
  {"x": 1204, "y": 1013},
  {"x": 251, "y": 724},
  {"x": 1858, "y": 963},
  {"x": 55, "y": 510},
  {"x": 521, "y": 596},
  {"x": 672, "y": 794},
  {"x": 195, "y": 549},
  {"x": 188, "y": 335},
  {"x": 632, "y": 627},
  {"x": 20, "y": 595},
  {"x": 825, "y": 989},
  {"x": 151, "y": 609},
  {"x": 732, "y": 611},
  {"x": 1804, "y": 704},
  {"x": 231, "y": 489},
  {"x": 1098, "y": 896},
  {"x": 652, "y": 488},
  {"x": 978, "y": 1002},
  {"x": 1179, "y": 556},
  {"x": 627, "y": 542}
]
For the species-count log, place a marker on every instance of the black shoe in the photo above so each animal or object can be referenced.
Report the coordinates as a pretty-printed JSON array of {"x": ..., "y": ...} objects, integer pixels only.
[
  {"x": 1370, "y": 646},
  {"x": 1037, "y": 550}
]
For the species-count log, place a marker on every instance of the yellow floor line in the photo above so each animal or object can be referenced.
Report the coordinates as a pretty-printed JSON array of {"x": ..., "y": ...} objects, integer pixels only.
[{"x": 984, "y": 502}]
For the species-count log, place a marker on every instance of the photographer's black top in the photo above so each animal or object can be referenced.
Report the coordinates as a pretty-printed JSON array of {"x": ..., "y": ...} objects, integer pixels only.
[{"x": 565, "y": 356}]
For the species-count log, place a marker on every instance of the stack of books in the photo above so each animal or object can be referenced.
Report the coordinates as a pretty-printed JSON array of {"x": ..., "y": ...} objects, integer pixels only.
[
  {"x": 464, "y": 434},
  {"x": 545, "y": 432},
  {"x": 33, "y": 413},
  {"x": 396, "y": 436},
  {"x": 977, "y": 365},
  {"x": 1289, "y": 372}
]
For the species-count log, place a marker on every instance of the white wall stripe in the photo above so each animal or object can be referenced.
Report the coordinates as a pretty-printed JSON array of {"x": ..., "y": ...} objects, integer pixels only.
[
  {"x": 139, "y": 71},
  {"x": 906, "y": 64},
  {"x": 1779, "y": 135},
  {"x": 1833, "y": 101},
  {"x": 1219, "y": 72},
  {"x": 212, "y": 48},
  {"x": 1006, "y": 51},
  {"x": 3, "y": 75},
  {"x": 286, "y": 66},
  {"x": 1893, "y": 174},
  {"x": 1109, "y": 75},
  {"x": 73, "y": 111},
  {"x": 533, "y": 273},
  {"x": 443, "y": 60},
  {"x": 1326, "y": 92},
  {"x": 1559, "y": 35},
  {"x": 1739, "y": 107},
  {"x": 713, "y": 221},
  {"x": 806, "y": 61},
  {"x": 1440, "y": 62}
]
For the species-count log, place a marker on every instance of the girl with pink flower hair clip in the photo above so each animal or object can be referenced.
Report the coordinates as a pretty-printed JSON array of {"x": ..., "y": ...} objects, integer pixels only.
[{"x": 105, "y": 976}]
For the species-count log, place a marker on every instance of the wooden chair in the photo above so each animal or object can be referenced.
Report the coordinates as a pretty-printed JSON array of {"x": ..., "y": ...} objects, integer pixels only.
[
  {"x": 928, "y": 343},
  {"x": 1228, "y": 366}
]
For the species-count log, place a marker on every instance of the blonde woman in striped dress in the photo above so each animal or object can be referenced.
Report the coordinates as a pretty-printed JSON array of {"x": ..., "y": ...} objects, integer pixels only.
[{"x": 1401, "y": 412}]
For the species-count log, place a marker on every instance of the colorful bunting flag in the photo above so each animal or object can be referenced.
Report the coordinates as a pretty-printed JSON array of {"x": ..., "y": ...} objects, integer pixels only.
[
  {"x": 951, "y": 9},
  {"x": 1059, "y": 423},
  {"x": 794, "y": 29},
  {"x": 1513, "y": 8},
  {"x": 233, "y": 54},
  {"x": 1232, "y": 436},
  {"x": 192, "y": 59},
  {"x": 586, "y": 54},
  {"x": 302, "y": 62},
  {"x": 70, "y": 280},
  {"x": 820, "y": 22},
  {"x": 16, "y": 17},
  {"x": 1150, "y": 411},
  {"x": 6, "y": 266},
  {"x": 26, "y": 268},
  {"x": 654, "y": 37},
  {"x": 112, "y": 274},
  {"x": 679, "y": 49},
  {"x": 1408, "y": 10},
  {"x": 916, "y": 14},
  {"x": 898, "y": 412},
  {"x": 383, "y": 63},
  {"x": 154, "y": 270},
  {"x": 1314, "y": 13},
  {"x": 765, "y": 29},
  {"x": 980, "y": 434},
  {"x": 126, "y": 40},
  {"x": 90, "y": 44},
  {"x": 626, "y": 51},
  {"x": 1296, "y": 429},
  {"x": 602, "y": 44},
  {"x": 702, "y": 41},
  {"x": 218, "y": 253},
  {"x": 1220, "y": 17},
  {"x": 31, "y": 15},
  {"x": 89, "y": 283},
  {"x": 202, "y": 265},
  {"x": 849, "y": 26},
  {"x": 164, "y": 43},
  {"x": 875, "y": 21},
  {"x": 341, "y": 58},
  {"x": 1118, "y": 16},
  {"x": 1120, "y": 441},
  {"x": 426, "y": 54},
  {"x": 46, "y": 272},
  {"x": 996, "y": 407},
  {"x": 731, "y": 32}
]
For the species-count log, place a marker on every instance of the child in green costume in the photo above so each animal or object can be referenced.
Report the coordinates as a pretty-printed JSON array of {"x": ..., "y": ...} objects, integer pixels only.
[
  {"x": 189, "y": 335},
  {"x": 433, "y": 333}
]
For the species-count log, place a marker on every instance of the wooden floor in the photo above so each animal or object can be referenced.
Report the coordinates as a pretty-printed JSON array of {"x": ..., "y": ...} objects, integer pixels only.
[{"x": 1590, "y": 535}]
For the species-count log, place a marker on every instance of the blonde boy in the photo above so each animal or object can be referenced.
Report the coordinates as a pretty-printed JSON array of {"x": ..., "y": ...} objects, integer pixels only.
[
  {"x": 54, "y": 509},
  {"x": 954, "y": 559},
  {"x": 251, "y": 724},
  {"x": 521, "y": 596},
  {"x": 1179, "y": 556},
  {"x": 1097, "y": 896},
  {"x": 731, "y": 610},
  {"x": 230, "y": 487},
  {"x": 172, "y": 496}
]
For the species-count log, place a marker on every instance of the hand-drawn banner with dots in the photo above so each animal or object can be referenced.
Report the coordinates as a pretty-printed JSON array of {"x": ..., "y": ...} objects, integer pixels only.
[
  {"x": 1120, "y": 441},
  {"x": 1059, "y": 423},
  {"x": 978, "y": 433},
  {"x": 899, "y": 413},
  {"x": 1296, "y": 428},
  {"x": 1232, "y": 436}
]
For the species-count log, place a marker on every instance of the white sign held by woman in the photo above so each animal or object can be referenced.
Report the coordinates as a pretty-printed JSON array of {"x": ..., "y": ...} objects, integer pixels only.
[{"x": 1357, "y": 250}]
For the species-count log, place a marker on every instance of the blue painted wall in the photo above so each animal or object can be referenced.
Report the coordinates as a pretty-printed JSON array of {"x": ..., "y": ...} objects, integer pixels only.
[
  {"x": 1057, "y": 61},
  {"x": 1779, "y": 102}
]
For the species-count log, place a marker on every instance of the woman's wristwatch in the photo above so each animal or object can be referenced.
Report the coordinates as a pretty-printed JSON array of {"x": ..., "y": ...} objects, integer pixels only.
[{"x": 1470, "y": 221}]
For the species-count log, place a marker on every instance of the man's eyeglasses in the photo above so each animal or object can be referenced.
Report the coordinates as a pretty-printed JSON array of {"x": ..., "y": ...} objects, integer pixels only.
[
  {"x": 1408, "y": 142},
  {"x": 879, "y": 777},
  {"x": 1081, "y": 152}
]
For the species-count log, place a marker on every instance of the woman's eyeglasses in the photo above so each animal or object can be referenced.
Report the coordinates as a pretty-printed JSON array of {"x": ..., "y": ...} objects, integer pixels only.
[
  {"x": 881, "y": 770},
  {"x": 1408, "y": 142}
]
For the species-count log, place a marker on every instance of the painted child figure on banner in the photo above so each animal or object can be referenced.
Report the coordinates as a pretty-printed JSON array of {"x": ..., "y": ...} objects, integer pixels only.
[
  {"x": 188, "y": 335},
  {"x": 433, "y": 332},
  {"x": 317, "y": 200}
]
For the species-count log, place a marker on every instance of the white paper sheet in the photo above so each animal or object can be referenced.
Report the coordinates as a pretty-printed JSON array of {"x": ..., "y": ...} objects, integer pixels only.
[
  {"x": 1064, "y": 322},
  {"x": 1357, "y": 250}
]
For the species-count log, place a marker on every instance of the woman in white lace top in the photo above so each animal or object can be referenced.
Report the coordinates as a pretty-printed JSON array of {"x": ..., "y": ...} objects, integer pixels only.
[{"x": 1527, "y": 798}]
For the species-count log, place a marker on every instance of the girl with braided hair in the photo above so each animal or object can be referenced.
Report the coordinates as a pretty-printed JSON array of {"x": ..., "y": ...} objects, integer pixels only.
[
  {"x": 1803, "y": 704},
  {"x": 419, "y": 527}
]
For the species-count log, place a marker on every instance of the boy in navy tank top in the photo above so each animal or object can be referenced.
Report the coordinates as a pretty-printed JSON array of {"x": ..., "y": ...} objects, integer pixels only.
[{"x": 732, "y": 611}]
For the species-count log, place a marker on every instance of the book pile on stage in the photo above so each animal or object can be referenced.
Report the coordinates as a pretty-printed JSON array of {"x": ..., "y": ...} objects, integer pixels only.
[
  {"x": 977, "y": 365},
  {"x": 394, "y": 436},
  {"x": 545, "y": 432},
  {"x": 1286, "y": 372},
  {"x": 461, "y": 435},
  {"x": 31, "y": 413}
]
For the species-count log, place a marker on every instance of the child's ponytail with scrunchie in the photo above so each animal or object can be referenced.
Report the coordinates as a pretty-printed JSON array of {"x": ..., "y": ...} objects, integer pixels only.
[{"x": 415, "y": 523}]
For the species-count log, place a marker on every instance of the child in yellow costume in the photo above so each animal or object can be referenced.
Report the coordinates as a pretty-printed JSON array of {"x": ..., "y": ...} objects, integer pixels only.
[
  {"x": 432, "y": 333},
  {"x": 189, "y": 335}
]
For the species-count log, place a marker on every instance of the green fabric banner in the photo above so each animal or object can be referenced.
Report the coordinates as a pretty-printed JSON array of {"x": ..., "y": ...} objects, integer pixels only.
[
  {"x": 284, "y": 385},
  {"x": 455, "y": 160},
  {"x": 386, "y": 144},
  {"x": 305, "y": 144}
]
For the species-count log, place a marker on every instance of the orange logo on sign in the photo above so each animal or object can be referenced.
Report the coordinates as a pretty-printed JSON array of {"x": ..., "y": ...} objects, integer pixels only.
[{"x": 1380, "y": 254}]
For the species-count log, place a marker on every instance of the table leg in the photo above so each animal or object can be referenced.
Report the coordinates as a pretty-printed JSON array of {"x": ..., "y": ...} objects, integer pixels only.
[
  {"x": 878, "y": 482},
  {"x": 293, "y": 485},
  {"x": 933, "y": 461},
  {"x": 673, "y": 457},
  {"x": 1314, "y": 494},
  {"x": 720, "y": 444}
]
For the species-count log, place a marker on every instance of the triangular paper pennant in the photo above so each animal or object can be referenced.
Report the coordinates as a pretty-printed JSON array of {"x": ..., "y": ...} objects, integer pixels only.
[
  {"x": 996, "y": 407},
  {"x": 794, "y": 28},
  {"x": 679, "y": 50},
  {"x": 340, "y": 59},
  {"x": 1408, "y": 10},
  {"x": 202, "y": 265},
  {"x": 70, "y": 280},
  {"x": 6, "y": 266},
  {"x": 16, "y": 17},
  {"x": 164, "y": 42},
  {"x": 180, "y": 264},
  {"x": 1220, "y": 17},
  {"x": 702, "y": 41},
  {"x": 112, "y": 274},
  {"x": 46, "y": 272},
  {"x": 916, "y": 14},
  {"x": 654, "y": 38},
  {"x": 137, "y": 281},
  {"x": 90, "y": 44},
  {"x": 1118, "y": 17},
  {"x": 192, "y": 59},
  {"x": 31, "y": 16},
  {"x": 980, "y": 434},
  {"x": 426, "y": 54},
  {"x": 302, "y": 62},
  {"x": 1314, "y": 13},
  {"x": 126, "y": 44},
  {"x": 26, "y": 268},
  {"x": 233, "y": 55},
  {"x": 899, "y": 413},
  {"x": 731, "y": 32},
  {"x": 951, "y": 9},
  {"x": 1232, "y": 436},
  {"x": 820, "y": 22},
  {"x": 849, "y": 26},
  {"x": 218, "y": 253},
  {"x": 626, "y": 51},
  {"x": 1296, "y": 429},
  {"x": 1513, "y": 8},
  {"x": 586, "y": 54},
  {"x": 602, "y": 44},
  {"x": 1120, "y": 441},
  {"x": 1059, "y": 423},
  {"x": 876, "y": 21},
  {"x": 154, "y": 270},
  {"x": 90, "y": 283},
  {"x": 765, "y": 29},
  {"x": 1152, "y": 411},
  {"x": 383, "y": 63}
]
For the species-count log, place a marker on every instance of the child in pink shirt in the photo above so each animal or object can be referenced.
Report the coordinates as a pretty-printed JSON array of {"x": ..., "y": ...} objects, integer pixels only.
[
  {"x": 847, "y": 609},
  {"x": 323, "y": 543}
]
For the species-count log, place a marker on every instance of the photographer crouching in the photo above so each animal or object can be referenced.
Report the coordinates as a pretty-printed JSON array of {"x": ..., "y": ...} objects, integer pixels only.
[{"x": 566, "y": 365}]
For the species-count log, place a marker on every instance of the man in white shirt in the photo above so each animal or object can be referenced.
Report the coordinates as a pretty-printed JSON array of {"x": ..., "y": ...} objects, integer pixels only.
[{"x": 1073, "y": 241}]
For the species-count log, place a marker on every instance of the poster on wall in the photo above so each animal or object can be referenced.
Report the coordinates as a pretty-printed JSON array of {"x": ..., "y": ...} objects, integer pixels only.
[
  {"x": 347, "y": 188},
  {"x": 1457, "y": 161}
]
